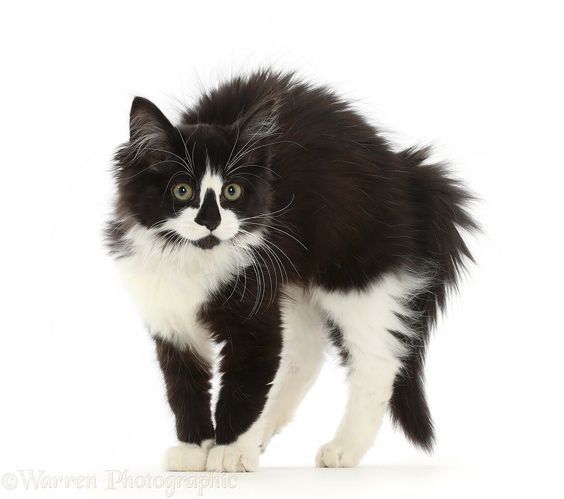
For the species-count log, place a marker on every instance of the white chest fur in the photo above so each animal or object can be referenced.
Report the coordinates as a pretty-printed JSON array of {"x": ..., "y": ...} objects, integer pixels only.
[{"x": 171, "y": 284}]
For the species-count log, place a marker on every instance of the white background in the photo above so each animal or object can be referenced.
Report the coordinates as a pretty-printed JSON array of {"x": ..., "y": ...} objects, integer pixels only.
[{"x": 482, "y": 81}]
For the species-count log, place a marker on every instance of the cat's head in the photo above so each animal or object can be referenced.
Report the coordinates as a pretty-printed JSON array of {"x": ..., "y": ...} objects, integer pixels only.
[{"x": 200, "y": 185}]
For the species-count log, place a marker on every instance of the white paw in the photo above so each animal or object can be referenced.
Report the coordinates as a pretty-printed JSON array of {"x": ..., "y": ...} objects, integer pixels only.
[
  {"x": 274, "y": 427},
  {"x": 233, "y": 458},
  {"x": 187, "y": 457},
  {"x": 338, "y": 455}
]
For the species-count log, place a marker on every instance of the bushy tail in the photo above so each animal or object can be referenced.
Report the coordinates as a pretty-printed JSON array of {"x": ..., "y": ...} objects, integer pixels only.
[{"x": 441, "y": 214}]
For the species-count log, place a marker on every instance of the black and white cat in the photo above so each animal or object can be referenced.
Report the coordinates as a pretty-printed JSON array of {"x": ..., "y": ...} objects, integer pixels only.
[{"x": 270, "y": 219}]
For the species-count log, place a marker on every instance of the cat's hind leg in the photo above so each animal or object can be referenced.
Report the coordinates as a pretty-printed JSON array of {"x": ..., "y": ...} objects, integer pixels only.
[
  {"x": 303, "y": 329},
  {"x": 369, "y": 322}
]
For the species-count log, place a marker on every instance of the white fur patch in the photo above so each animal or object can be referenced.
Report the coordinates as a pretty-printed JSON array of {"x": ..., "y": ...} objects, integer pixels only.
[
  {"x": 365, "y": 319},
  {"x": 241, "y": 455},
  {"x": 369, "y": 315},
  {"x": 170, "y": 283},
  {"x": 302, "y": 354},
  {"x": 185, "y": 223},
  {"x": 187, "y": 457}
]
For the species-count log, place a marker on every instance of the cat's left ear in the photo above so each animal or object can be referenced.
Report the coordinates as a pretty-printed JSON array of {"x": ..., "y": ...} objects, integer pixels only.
[
  {"x": 260, "y": 121},
  {"x": 148, "y": 126}
]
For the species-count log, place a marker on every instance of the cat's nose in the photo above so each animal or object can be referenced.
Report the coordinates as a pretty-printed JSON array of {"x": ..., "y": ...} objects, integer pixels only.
[{"x": 209, "y": 215}]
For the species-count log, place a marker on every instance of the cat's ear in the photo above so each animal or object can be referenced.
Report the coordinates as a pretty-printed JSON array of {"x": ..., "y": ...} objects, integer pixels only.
[
  {"x": 260, "y": 121},
  {"x": 148, "y": 126}
]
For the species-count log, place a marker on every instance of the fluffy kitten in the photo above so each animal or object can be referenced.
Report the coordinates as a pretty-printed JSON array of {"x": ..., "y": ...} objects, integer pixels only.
[{"x": 272, "y": 218}]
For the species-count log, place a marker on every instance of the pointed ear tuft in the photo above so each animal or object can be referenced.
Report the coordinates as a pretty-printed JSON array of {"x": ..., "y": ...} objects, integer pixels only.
[{"x": 148, "y": 125}]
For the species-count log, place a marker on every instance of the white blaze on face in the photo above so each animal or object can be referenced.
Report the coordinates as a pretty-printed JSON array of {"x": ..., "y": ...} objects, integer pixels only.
[{"x": 185, "y": 223}]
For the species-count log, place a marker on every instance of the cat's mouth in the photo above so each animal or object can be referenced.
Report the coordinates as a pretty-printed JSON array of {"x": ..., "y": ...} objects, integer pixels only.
[{"x": 207, "y": 242}]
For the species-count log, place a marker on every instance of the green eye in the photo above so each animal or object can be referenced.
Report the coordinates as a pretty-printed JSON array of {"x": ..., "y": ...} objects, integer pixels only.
[
  {"x": 232, "y": 191},
  {"x": 182, "y": 192}
]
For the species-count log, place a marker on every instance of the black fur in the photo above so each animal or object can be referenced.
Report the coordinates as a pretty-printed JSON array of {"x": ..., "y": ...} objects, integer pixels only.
[
  {"x": 341, "y": 209},
  {"x": 188, "y": 383},
  {"x": 249, "y": 362}
]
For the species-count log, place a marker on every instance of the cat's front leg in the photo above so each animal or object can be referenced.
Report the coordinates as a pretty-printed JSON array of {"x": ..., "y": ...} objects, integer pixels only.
[
  {"x": 250, "y": 358},
  {"x": 188, "y": 381}
]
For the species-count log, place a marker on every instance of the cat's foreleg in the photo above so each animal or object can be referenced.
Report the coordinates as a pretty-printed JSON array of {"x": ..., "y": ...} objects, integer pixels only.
[
  {"x": 188, "y": 381},
  {"x": 249, "y": 361}
]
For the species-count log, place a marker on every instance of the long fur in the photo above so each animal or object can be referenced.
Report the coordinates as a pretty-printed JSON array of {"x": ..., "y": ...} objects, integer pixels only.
[{"x": 328, "y": 207}]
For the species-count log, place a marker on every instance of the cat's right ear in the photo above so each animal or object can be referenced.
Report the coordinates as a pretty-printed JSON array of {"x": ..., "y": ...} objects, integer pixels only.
[{"x": 148, "y": 126}]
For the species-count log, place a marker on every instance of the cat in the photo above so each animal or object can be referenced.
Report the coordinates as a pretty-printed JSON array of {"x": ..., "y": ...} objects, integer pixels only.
[{"x": 272, "y": 221}]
